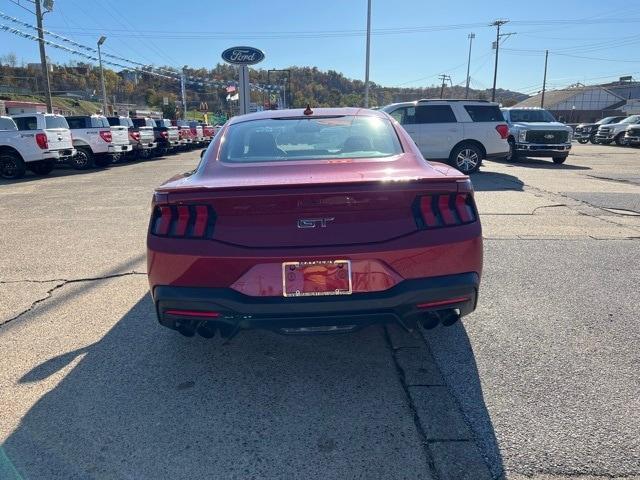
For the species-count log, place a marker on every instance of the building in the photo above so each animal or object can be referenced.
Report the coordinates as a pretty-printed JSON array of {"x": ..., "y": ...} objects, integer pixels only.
[
  {"x": 14, "y": 107},
  {"x": 579, "y": 103}
]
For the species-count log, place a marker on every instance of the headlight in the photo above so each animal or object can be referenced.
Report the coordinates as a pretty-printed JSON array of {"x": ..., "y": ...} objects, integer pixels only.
[{"x": 522, "y": 136}]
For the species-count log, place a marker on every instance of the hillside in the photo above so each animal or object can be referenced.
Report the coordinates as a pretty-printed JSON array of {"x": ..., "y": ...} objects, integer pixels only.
[{"x": 306, "y": 85}]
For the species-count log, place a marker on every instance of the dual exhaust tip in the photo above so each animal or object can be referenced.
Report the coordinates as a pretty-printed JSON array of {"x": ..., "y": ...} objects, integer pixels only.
[
  {"x": 444, "y": 317},
  {"x": 204, "y": 328}
]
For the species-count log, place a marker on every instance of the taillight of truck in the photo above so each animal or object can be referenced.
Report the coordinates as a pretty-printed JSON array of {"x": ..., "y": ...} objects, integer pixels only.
[
  {"x": 106, "y": 136},
  {"x": 41, "y": 140}
]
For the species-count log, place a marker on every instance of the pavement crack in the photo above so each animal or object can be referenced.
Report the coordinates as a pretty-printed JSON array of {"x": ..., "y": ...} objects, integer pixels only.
[
  {"x": 60, "y": 282},
  {"x": 412, "y": 407}
]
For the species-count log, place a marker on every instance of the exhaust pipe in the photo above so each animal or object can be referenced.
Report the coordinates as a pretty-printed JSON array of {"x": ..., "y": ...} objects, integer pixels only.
[
  {"x": 430, "y": 320},
  {"x": 186, "y": 327},
  {"x": 207, "y": 329},
  {"x": 449, "y": 317}
]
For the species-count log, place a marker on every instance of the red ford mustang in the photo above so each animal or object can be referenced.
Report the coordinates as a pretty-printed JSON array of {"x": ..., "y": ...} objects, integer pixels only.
[{"x": 303, "y": 221}]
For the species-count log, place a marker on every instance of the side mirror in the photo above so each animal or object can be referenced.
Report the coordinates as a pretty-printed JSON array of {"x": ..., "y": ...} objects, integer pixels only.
[{"x": 202, "y": 153}]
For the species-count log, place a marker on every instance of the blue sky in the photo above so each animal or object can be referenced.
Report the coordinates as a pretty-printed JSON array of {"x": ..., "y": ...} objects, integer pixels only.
[{"x": 413, "y": 40}]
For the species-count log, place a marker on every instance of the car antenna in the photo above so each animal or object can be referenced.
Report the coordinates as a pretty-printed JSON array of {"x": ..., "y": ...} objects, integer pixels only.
[{"x": 308, "y": 111}]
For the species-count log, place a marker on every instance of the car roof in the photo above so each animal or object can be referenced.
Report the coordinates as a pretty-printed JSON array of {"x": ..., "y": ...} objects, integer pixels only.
[
  {"x": 317, "y": 112},
  {"x": 20, "y": 115}
]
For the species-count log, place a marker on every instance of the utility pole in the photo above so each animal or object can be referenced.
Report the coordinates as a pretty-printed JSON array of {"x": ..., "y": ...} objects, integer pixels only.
[
  {"x": 544, "y": 81},
  {"x": 471, "y": 36},
  {"x": 497, "y": 24},
  {"x": 104, "y": 88},
  {"x": 183, "y": 91},
  {"x": 366, "y": 69},
  {"x": 43, "y": 58},
  {"x": 444, "y": 78}
]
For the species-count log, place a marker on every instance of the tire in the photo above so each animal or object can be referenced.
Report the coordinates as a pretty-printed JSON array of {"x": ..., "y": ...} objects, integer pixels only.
[
  {"x": 103, "y": 160},
  {"x": 513, "y": 155},
  {"x": 83, "y": 159},
  {"x": 559, "y": 160},
  {"x": 583, "y": 140},
  {"x": 145, "y": 154},
  {"x": 466, "y": 158},
  {"x": 620, "y": 140},
  {"x": 43, "y": 167},
  {"x": 593, "y": 140},
  {"x": 12, "y": 166}
]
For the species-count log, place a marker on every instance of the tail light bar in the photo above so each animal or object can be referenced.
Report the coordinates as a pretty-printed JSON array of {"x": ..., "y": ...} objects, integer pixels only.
[
  {"x": 106, "y": 135},
  {"x": 42, "y": 141},
  {"x": 135, "y": 136},
  {"x": 444, "y": 210},
  {"x": 164, "y": 134},
  {"x": 503, "y": 130},
  {"x": 183, "y": 221}
]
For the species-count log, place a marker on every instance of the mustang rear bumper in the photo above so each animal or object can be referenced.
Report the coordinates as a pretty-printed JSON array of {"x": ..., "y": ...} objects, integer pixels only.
[{"x": 406, "y": 299}]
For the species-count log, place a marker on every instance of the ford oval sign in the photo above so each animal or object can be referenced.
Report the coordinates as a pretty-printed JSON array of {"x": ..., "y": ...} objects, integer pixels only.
[{"x": 242, "y": 55}]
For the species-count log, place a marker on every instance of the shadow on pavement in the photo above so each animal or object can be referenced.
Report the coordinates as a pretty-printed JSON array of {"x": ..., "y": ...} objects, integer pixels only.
[
  {"x": 145, "y": 402},
  {"x": 527, "y": 162},
  {"x": 490, "y": 181}
]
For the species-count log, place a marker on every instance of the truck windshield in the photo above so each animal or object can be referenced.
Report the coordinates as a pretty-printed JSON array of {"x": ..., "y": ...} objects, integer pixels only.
[
  {"x": 631, "y": 119},
  {"x": 55, "y": 121},
  {"x": 286, "y": 139},
  {"x": 530, "y": 116}
]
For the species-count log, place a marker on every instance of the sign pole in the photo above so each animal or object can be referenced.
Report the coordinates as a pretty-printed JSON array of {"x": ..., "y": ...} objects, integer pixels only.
[{"x": 244, "y": 92}]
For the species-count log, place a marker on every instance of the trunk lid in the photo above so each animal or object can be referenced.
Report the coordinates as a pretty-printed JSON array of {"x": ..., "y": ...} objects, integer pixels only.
[
  {"x": 319, "y": 205},
  {"x": 146, "y": 134}
]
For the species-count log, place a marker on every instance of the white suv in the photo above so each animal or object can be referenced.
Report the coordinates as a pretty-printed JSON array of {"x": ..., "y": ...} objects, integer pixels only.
[{"x": 459, "y": 132}]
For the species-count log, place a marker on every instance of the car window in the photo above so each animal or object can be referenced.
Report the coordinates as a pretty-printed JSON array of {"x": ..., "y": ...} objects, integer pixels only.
[
  {"x": 26, "y": 123},
  {"x": 7, "y": 124},
  {"x": 434, "y": 114},
  {"x": 484, "y": 113},
  {"x": 55, "y": 121},
  {"x": 76, "y": 122},
  {"x": 99, "y": 122},
  {"x": 285, "y": 139},
  {"x": 113, "y": 121},
  {"x": 631, "y": 119}
]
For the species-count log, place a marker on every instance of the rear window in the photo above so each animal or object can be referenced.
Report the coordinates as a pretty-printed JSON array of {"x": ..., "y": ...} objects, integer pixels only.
[
  {"x": 76, "y": 122},
  {"x": 56, "y": 121},
  {"x": 26, "y": 123},
  {"x": 288, "y": 139},
  {"x": 99, "y": 122},
  {"x": 484, "y": 113},
  {"x": 7, "y": 124},
  {"x": 113, "y": 121}
]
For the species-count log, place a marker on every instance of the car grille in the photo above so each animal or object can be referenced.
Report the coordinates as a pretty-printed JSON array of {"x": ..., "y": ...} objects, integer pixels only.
[
  {"x": 633, "y": 132},
  {"x": 547, "y": 136},
  {"x": 604, "y": 129}
]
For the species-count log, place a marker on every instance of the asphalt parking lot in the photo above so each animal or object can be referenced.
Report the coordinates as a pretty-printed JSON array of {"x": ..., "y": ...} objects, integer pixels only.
[{"x": 540, "y": 382}]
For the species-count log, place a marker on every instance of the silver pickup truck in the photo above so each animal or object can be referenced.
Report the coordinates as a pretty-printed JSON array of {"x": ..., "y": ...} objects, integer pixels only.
[{"x": 534, "y": 132}]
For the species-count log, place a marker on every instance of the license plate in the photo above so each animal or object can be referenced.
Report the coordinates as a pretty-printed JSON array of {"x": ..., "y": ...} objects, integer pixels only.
[{"x": 305, "y": 279}]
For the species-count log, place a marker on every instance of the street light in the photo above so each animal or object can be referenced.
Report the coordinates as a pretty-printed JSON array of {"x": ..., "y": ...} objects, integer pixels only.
[{"x": 104, "y": 89}]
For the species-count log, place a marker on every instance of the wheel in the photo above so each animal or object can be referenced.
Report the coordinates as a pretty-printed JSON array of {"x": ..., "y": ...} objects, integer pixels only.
[
  {"x": 12, "y": 166},
  {"x": 513, "y": 155},
  {"x": 43, "y": 167},
  {"x": 116, "y": 157},
  {"x": 593, "y": 139},
  {"x": 559, "y": 160},
  {"x": 104, "y": 160},
  {"x": 467, "y": 158},
  {"x": 83, "y": 159},
  {"x": 620, "y": 140},
  {"x": 583, "y": 140},
  {"x": 145, "y": 153}
]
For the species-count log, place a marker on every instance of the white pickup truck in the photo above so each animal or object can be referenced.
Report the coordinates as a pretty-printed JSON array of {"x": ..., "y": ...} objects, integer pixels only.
[
  {"x": 35, "y": 142},
  {"x": 97, "y": 142}
]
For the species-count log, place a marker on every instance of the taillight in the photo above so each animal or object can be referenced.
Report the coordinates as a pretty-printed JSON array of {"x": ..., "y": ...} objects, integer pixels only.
[
  {"x": 41, "y": 140},
  {"x": 445, "y": 210},
  {"x": 183, "y": 221},
  {"x": 503, "y": 130},
  {"x": 135, "y": 136},
  {"x": 106, "y": 136},
  {"x": 164, "y": 134}
]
